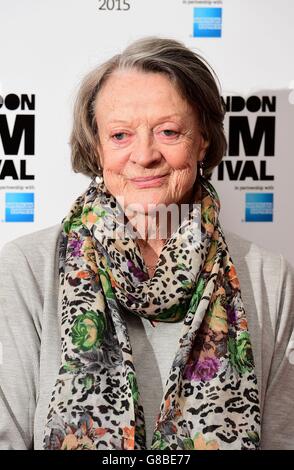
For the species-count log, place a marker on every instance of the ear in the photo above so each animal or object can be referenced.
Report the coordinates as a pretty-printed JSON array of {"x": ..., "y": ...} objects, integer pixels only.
[{"x": 203, "y": 146}]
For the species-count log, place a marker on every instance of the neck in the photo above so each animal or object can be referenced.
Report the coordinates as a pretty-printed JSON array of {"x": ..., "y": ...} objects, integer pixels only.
[{"x": 151, "y": 236}]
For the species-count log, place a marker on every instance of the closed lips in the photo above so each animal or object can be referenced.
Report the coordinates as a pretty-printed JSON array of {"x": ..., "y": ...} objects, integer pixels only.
[{"x": 148, "y": 178}]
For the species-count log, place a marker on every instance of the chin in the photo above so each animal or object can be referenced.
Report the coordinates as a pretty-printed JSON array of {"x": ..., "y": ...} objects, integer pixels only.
[{"x": 142, "y": 207}]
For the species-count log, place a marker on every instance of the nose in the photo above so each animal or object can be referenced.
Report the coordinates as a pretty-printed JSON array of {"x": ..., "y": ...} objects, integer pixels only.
[{"x": 144, "y": 151}]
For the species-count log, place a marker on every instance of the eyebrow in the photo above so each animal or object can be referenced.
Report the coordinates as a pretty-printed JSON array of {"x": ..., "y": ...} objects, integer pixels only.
[{"x": 161, "y": 119}]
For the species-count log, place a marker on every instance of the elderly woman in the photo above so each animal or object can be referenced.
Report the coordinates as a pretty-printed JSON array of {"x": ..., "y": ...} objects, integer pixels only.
[{"x": 113, "y": 338}]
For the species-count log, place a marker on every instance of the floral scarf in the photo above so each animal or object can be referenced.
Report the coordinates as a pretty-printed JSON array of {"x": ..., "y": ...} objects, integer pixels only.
[{"x": 210, "y": 399}]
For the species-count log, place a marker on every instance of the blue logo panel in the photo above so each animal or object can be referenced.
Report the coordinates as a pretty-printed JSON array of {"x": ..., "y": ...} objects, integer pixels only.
[
  {"x": 259, "y": 207},
  {"x": 19, "y": 207},
  {"x": 207, "y": 22}
]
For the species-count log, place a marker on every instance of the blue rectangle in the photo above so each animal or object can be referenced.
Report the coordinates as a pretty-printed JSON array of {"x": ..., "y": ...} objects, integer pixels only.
[
  {"x": 207, "y": 22},
  {"x": 259, "y": 207},
  {"x": 19, "y": 207}
]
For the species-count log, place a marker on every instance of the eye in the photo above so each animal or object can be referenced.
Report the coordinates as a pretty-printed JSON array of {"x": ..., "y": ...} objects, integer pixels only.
[
  {"x": 119, "y": 136},
  {"x": 169, "y": 133}
]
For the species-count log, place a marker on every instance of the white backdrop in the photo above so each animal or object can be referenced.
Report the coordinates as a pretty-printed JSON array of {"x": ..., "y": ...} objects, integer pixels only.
[{"x": 47, "y": 46}]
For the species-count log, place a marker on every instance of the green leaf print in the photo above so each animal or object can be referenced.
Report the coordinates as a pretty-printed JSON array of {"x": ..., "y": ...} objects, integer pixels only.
[
  {"x": 88, "y": 381},
  {"x": 88, "y": 330},
  {"x": 174, "y": 313},
  {"x": 240, "y": 353},
  {"x": 188, "y": 443},
  {"x": 197, "y": 295},
  {"x": 253, "y": 436},
  {"x": 134, "y": 386},
  {"x": 72, "y": 365},
  {"x": 67, "y": 226},
  {"x": 158, "y": 442},
  {"x": 106, "y": 284},
  {"x": 181, "y": 266}
]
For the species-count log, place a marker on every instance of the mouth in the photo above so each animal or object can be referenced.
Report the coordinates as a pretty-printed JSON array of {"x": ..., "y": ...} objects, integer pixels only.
[
  {"x": 149, "y": 181},
  {"x": 148, "y": 178}
]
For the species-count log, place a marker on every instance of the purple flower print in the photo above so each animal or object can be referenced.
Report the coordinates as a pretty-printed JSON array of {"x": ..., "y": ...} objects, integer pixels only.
[
  {"x": 232, "y": 314},
  {"x": 140, "y": 275},
  {"x": 75, "y": 247},
  {"x": 202, "y": 370},
  {"x": 131, "y": 298}
]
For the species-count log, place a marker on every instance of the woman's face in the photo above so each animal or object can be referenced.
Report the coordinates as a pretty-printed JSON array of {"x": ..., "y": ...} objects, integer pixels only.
[{"x": 149, "y": 139}]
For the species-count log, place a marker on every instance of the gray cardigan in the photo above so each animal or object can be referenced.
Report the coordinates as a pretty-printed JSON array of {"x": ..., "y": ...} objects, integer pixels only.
[{"x": 30, "y": 339}]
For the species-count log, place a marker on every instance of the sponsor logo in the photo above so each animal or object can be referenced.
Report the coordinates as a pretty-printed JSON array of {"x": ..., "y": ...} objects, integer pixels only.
[
  {"x": 207, "y": 22},
  {"x": 19, "y": 207},
  {"x": 259, "y": 207}
]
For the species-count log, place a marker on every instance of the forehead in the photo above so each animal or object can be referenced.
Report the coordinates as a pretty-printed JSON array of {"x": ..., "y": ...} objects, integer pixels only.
[{"x": 135, "y": 92}]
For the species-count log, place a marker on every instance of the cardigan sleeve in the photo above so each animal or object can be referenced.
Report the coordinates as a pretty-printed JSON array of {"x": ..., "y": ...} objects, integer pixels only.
[
  {"x": 20, "y": 304},
  {"x": 278, "y": 414}
]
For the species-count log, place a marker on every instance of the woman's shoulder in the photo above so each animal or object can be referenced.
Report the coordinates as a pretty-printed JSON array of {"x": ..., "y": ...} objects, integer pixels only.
[
  {"x": 252, "y": 254},
  {"x": 266, "y": 277},
  {"x": 43, "y": 241},
  {"x": 36, "y": 251},
  {"x": 28, "y": 272}
]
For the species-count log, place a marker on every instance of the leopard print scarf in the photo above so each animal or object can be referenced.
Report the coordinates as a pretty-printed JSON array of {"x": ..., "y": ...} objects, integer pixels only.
[{"x": 210, "y": 398}]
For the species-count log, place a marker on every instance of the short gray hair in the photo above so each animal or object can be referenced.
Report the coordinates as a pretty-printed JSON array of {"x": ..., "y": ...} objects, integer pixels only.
[{"x": 194, "y": 78}]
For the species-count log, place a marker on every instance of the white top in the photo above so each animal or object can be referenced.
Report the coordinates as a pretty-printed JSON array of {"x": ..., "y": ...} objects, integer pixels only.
[{"x": 30, "y": 339}]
